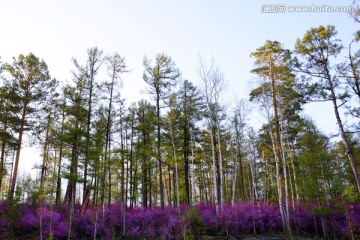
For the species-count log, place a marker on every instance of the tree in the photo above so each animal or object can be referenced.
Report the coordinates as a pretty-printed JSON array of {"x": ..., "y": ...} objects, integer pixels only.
[
  {"x": 73, "y": 133},
  {"x": 172, "y": 120},
  {"x": 88, "y": 72},
  {"x": 9, "y": 120},
  {"x": 317, "y": 49},
  {"x": 315, "y": 167},
  {"x": 241, "y": 113},
  {"x": 61, "y": 106},
  {"x": 160, "y": 77},
  {"x": 35, "y": 88},
  {"x": 350, "y": 72},
  {"x": 213, "y": 87},
  {"x": 116, "y": 66},
  {"x": 191, "y": 108},
  {"x": 272, "y": 63},
  {"x": 145, "y": 119}
]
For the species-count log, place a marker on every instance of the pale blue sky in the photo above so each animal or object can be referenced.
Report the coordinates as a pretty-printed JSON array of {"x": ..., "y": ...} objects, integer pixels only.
[{"x": 228, "y": 30}]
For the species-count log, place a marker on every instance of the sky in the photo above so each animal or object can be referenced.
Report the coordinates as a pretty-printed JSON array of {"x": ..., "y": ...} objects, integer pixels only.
[{"x": 226, "y": 30}]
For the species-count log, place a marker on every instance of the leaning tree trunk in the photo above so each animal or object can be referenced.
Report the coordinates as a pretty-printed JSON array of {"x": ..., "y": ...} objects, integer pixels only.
[
  {"x": 342, "y": 132},
  {"x": 18, "y": 150}
]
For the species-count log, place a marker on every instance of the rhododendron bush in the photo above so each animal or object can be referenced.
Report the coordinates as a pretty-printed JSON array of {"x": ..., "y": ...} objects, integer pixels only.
[{"x": 27, "y": 221}]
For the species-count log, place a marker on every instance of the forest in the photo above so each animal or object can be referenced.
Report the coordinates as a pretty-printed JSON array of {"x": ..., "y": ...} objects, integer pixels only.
[{"x": 183, "y": 164}]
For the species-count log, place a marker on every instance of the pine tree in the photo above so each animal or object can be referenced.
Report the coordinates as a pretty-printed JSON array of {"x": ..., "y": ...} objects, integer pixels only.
[
  {"x": 272, "y": 63},
  {"x": 88, "y": 72},
  {"x": 317, "y": 49},
  {"x": 34, "y": 88},
  {"x": 160, "y": 77},
  {"x": 191, "y": 108}
]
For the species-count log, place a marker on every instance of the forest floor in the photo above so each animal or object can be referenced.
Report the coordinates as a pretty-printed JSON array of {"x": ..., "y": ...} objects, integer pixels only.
[{"x": 264, "y": 236}]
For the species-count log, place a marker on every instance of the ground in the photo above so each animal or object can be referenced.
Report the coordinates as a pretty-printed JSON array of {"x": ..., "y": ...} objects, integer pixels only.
[{"x": 269, "y": 236}]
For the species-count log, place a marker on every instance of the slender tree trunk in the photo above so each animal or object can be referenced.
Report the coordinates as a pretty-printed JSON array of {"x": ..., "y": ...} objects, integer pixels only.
[
  {"x": 239, "y": 160},
  {"x": 144, "y": 177},
  {"x": 279, "y": 186},
  {"x": 267, "y": 179},
  {"x": 277, "y": 139},
  {"x": 107, "y": 146},
  {"x": 214, "y": 166},
  {"x": 291, "y": 188},
  {"x": 88, "y": 123},
  {"x": 127, "y": 176},
  {"x": 236, "y": 166},
  {"x": 132, "y": 177},
  {"x": 343, "y": 136},
  {"x": 168, "y": 187},
  {"x": 221, "y": 167},
  {"x": 58, "y": 183},
  {"x": 294, "y": 171},
  {"x": 253, "y": 174},
  {"x": 284, "y": 167},
  {"x": 123, "y": 194},
  {"x": 134, "y": 189},
  {"x": 71, "y": 187},
  {"x": 176, "y": 169},
  {"x": 18, "y": 150},
  {"x": 192, "y": 171},
  {"x": 2, "y": 162},
  {"x": 186, "y": 148},
  {"x": 186, "y": 162},
  {"x": 162, "y": 202},
  {"x": 150, "y": 187},
  {"x": 45, "y": 157}
]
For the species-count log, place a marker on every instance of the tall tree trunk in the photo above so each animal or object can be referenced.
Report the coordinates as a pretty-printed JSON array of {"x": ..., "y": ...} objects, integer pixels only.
[
  {"x": 58, "y": 182},
  {"x": 186, "y": 162},
  {"x": 18, "y": 150},
  {"x": 284, "y": 167},
  {"x": 45, "y": 157},
  {"x": 150, "y": 187},
  {"x": 294, "y": 171},
  {"x": 214, "y": 166},
  {"x": 158, "y": 155},
  {"x": 88, "y": 123},
  {"x": 71, "y": 187},
  {"x": 192, "y": 171},
  {"x": 279, "y": 186},
  {"x": 344, "y": 138},
  {"x": 144, "y": 176},
  {"x": 132, "y": 175},
  {"x": 221, "y": 167},
  {"x": 2, "y": 162},
  {"x": 185, "y": 150},
  {"x": 253, "y": 174},
  {"x": 123, "y": 194},
  {"x": 176, "y": 170},
  {"x": 236, "y": 166},
  {"x": 278, "y": 155}
]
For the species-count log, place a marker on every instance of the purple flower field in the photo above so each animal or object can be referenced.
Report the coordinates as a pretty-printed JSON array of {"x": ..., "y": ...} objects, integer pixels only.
[{"x": 26, "y": 221}]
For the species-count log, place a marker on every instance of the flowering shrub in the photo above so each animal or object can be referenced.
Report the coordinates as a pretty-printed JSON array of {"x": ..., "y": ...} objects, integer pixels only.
[
  {"x": 241, "y": 218},
  {"x": 27, "y": 221}
]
